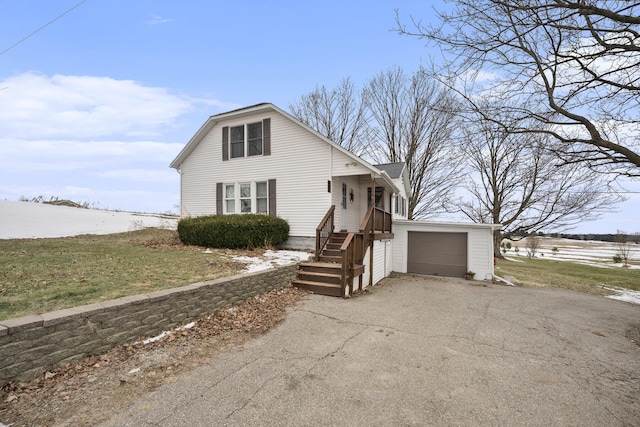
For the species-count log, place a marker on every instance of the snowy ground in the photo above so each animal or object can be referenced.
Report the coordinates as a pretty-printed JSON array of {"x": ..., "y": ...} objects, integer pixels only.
[
  {"x": 588, "y": 252},
  {"x": 272, "y": 259},
  {"x": 24, "y": 220}
]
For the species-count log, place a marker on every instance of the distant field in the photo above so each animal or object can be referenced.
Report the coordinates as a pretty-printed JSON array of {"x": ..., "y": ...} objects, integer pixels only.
[
  {"x": 586, "y": 252},
  {"x": 583, "y": 266}
]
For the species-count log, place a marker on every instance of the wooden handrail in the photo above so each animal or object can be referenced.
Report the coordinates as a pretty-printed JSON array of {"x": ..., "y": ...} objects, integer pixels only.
[
  {"x": 324, "y": 231},
  {"x": 376, "y": 219},
  {"x": 352, "y": 253},
  {"x": 344, "y": 270}
]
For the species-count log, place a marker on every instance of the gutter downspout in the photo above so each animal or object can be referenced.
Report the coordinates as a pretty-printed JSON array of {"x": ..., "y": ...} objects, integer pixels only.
[{"x": 505, "y": 281}]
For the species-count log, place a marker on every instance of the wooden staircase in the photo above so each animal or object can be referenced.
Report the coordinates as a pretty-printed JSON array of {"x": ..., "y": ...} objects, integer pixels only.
[
  {"x": 325, "y": 276},
  {"x": 339, "y": 256}
]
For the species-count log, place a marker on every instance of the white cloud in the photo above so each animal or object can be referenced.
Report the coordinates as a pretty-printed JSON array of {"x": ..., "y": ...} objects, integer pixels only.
[
  {"x": 39, "y": 106},
  {"x": 20, "y": 155},
  {"x": 157, "y": 19},
  {"x": 143, "y": 175},
  {"x": 96, "y": 139}
]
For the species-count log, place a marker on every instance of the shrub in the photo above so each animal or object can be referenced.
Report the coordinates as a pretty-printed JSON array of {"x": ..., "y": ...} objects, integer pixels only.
[{"x": 233, "y": 231}]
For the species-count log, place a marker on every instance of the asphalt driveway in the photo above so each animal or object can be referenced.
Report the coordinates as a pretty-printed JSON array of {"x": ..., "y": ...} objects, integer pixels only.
[{"x": 421, "y": 351}]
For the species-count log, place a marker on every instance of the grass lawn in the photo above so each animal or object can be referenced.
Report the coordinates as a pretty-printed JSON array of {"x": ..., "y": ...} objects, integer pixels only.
[
  {"x": 568, "y": 275},
  {"x": 40, "y": 275}
]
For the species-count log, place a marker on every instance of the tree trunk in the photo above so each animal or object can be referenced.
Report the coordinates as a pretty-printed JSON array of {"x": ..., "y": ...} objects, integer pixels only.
[{"x": 497, "y": 239}]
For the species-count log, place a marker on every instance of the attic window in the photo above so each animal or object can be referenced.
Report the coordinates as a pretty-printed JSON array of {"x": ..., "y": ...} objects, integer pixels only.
[{"x": 246, "y": 139}]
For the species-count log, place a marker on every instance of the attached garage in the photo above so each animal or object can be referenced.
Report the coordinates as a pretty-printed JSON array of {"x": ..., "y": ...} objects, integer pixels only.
[
  {"x": 443, "y": 249},
  {"x": 437, "y": 253}
]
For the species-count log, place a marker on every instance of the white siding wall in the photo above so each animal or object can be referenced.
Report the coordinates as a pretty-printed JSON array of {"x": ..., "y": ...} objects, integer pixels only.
[
  {"x": 403, "y": 193},
  {"x": 479, "y": 244},
  {"x": 299, "y": 162},
  {"x": 342, "y": 165},
  {"x": 382, "y": 261}
]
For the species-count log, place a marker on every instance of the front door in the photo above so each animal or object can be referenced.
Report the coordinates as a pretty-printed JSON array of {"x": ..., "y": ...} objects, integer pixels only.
[{"x": 343, "y": 203}]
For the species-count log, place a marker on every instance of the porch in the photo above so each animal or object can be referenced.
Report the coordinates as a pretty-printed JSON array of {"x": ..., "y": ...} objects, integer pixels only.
[{"x": 341, "y": 257}]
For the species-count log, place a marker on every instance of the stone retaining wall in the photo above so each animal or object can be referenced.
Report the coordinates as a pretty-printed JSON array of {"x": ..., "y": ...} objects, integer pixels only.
[{"x": 32, "y": 344}]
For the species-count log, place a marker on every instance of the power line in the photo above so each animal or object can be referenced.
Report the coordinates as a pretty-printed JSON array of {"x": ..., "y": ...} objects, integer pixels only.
[{"x": 42, "y": 27}]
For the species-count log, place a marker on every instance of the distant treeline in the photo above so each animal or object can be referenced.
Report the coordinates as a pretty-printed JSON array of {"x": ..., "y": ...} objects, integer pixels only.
[{"x": 600, "y": 237}]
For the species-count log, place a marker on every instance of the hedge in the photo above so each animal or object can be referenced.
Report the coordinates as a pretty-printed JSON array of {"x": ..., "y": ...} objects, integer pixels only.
[{"x": 233, "y": 231}]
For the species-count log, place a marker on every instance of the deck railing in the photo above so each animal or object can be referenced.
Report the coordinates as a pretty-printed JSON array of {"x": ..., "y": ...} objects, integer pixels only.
[
  {"x": 376, "y": 220},
  {"x": 324, "y": 230}
]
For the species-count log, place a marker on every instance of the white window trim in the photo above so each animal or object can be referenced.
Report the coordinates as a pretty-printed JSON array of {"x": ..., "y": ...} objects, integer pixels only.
[
  {"x": 237, "y": 197},
  {"x": 245, "y": 153}
]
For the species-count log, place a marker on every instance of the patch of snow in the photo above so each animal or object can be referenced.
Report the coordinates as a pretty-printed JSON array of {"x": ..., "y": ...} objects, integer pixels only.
[
  {"x": 287, "y": 257},
  {"x": 134, "y": 371},
  {"x": 626, "y": 295},
  {"x": 187, "y": 326},
  {"x": 164, "y": 334},
  {"x": 26, "y": 220},
  {"x": 274, "y": 258}
]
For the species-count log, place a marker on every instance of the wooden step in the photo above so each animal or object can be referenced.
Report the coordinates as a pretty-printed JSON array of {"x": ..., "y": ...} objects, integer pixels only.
[
  {"x": 332, "y": 252},
  {"x": 321, "y": 267},
  {"x": 329, "y": 289},
  {"x": 330, "y": 268},
  {"x": 336, "y": 239},
  {"x": 313, "y": 276},
  {"x": 331, "y": 259}
]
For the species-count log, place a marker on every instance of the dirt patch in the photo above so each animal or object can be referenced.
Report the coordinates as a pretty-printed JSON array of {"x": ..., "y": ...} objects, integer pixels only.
[
  {"x": 634, "y": 335},
  {"x": 94, "y": 389}
]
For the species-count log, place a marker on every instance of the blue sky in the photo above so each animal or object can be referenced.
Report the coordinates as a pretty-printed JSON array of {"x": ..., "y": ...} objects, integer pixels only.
[{"x": 94, "y": 106}]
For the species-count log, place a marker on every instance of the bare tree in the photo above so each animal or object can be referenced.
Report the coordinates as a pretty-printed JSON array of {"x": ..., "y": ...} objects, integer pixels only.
[
  {"x": 414, "y": 121},
  {"x": 396, "y": 118},
  {"x": 513, "y": 179},
  {"x": 623, "y": 248},
  {"x": 532, "y": 245},
  {"x": 339, "y": 114},
  {"x": 573, "y": 66}
]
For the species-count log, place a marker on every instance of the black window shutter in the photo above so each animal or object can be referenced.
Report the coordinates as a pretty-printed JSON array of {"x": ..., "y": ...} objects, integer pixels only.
[
  {"x": 272, "y": 197},
  {"x": 266, "y": 137},
  {"x": 219, "y": 210},
  {"x": 225, "y": 143}
]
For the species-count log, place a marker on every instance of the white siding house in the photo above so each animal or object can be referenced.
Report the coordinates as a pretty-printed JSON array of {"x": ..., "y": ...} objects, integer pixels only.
[
  {"x": 306, "y": 170},
  {"x": 262, "y": 160}
]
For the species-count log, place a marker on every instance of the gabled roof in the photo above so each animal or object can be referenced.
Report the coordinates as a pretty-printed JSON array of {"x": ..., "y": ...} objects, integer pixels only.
[
  {"x": 398, "y": 170},
  {"x": 263, "y": 107},
  {"x": 393, "y": 169}
]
